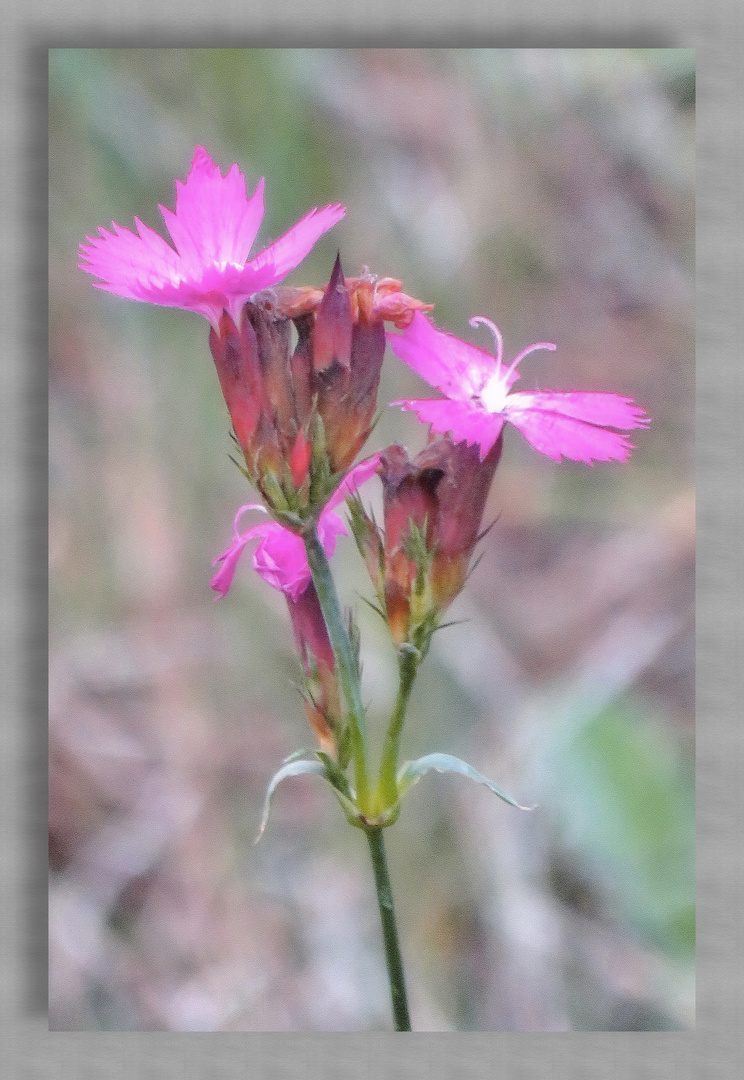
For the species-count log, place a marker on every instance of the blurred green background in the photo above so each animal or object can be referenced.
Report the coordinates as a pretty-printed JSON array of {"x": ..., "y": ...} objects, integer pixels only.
[{"x": 552, "y": 191}]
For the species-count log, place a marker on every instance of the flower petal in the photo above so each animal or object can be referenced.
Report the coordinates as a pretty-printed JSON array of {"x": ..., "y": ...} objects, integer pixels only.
[
  {"x": 214, "y": 223},
  {"x": 606, "y": 410},
  {"x": 136, "y": 266},
  {"x": 457, "y": 369},
  {"x": 280, "y": 555},
  {"x": 280, "y": 559},
  {"x": 213, "y": 228},
  {"x": 463, "y": 420},
  {"x": 222, "y": 580},
  {"x": 277, "y": 260},
  {"x": 554, "y": 435},
  {"x": 357, "y": 476}
]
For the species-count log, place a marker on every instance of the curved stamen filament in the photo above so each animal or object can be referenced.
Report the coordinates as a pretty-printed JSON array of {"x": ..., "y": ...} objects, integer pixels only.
[
  {"x": 241, "y": 511},
  {"x": 477, "y": 320},
  {"x": 530, "y": 349}
]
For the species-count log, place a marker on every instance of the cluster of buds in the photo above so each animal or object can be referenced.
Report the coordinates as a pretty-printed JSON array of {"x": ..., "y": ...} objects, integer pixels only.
[
  {"x": 433, "y": 508},
  {"x": 301, "y": 414}
]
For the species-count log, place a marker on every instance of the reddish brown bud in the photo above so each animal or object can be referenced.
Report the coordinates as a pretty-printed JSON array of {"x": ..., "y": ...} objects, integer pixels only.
[
  {"x": 433, "y": 509},
  {"x": 322, "y": 700},
  {"x": 332, "y": 340},
  {"x": 348, "y": 348},
  {"x": 236, "y": 359},
  {"x": 409, "y": 501},
  {"x": 299, "y": 461},
  {"x": 323, "y": 393},
  {"x": 273, "y": 340}
]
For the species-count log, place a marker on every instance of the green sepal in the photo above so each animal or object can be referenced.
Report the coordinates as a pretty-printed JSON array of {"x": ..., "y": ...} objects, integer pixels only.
[
  {"x": 322, "y": 482},
  {"x": 273, "y": 492},
  {"x": 334, "y": 773},
  {"x": 411, "y": 772},
  {"x": 289, "y": 519},
  {"x": 374, "y": 607}
]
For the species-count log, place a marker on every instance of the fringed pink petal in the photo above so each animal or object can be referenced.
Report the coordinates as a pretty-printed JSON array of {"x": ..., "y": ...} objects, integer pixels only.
[
  {"x": 351, "y": 482},
  {"x": 229, "y": 558},
  {"x": 605, "y": 410},
  {"x": 556, "y": 435},
  {"x": 132, "y": 265},
  {"x": 213, "y": 227},
  {"x": 457, "y": 369},
  {"x": 280, "y": 559},
  {"x": 273, "y": 264},
  {"x": 214, "y": 222},
  {"x": 463, "y": 421},
  {"x": 280, "y": 555}
]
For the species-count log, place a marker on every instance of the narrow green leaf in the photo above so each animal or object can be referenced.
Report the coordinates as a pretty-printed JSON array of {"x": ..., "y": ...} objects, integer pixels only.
[
  {"x": 411, "y": 772},
  {"x": 373, "y": 606},
  {"x": 290, "y": 768},
  {"x": 297, "y": 755},
  {"x": 241, "y": 467}
]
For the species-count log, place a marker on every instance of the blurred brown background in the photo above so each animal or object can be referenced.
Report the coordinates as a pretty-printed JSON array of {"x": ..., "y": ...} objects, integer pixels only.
[{"x": 551, "y": 190}]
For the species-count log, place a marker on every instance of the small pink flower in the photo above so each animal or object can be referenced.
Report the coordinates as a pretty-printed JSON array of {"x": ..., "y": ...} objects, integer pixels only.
[
  {"x": 213, "y": 230},
  {"x": 280, "y": 554},
  {"x": 478, "y": 402}
]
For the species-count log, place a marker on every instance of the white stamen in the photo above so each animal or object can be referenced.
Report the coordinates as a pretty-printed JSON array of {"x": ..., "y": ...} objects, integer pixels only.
[
  {"x": 242, "y": 510},
  {"x": 477, "y": 320},
  {"x": 525, "y": 352}
]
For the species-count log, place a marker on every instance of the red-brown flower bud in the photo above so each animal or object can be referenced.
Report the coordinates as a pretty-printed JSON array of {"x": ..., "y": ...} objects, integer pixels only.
[
  {"x": 433, "y": 508},
  {"x": 332, "y": 334},
  {"x": 301, "y": 416},
  {"x": 322, "y": 698},
  {"x": 236, "y": 359},
  {"x": 299, "y": 460}
]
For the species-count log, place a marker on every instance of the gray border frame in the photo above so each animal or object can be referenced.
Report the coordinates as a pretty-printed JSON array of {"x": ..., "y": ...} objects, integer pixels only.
[{"x": 30, "y": 1050}]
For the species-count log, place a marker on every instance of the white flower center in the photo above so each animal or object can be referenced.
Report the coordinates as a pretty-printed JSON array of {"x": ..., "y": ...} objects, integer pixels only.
[{"x": 493, "y": 395}]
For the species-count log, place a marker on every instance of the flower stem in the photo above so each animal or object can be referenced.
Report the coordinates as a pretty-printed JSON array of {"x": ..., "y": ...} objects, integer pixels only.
[
  {"x": 389, "y": 929},
  {"x": 348, "y": 670},
  {"x": 408, "y": 660}
]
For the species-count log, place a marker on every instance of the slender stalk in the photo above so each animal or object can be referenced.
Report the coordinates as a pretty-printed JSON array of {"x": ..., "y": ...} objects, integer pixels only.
[
  {"x": 389, "y": 930},
  {"x": 347, "y": 666},
  {"x": 348, "y": 673},
  {"x": 408, "y": 660}
]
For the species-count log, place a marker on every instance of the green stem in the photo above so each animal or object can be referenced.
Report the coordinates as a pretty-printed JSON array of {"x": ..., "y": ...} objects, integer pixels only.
[
  {"x": 348, "y": 672},
  {"x": 389, "y": 930},
  {"x": 408, "y": 660}
]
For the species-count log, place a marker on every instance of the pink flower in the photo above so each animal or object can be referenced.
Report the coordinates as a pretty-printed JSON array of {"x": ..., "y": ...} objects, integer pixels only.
[
  {"x": 213, "y": 230},
  {"x": 478, "y": 401},
  {"x": 280, "y": 555}
]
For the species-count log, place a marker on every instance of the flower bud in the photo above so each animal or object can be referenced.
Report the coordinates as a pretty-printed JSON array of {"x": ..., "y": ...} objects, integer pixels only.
[
  {"x": 302, "y": 415},
  {"x": 433, "y": 508},
  {"x": 321, "y": 694}
]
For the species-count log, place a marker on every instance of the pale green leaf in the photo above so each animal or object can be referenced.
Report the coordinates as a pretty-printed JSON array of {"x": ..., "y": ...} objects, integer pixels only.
[
  {"x": 291, "y": 768},
  {"x": 412, "y": 771}
]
